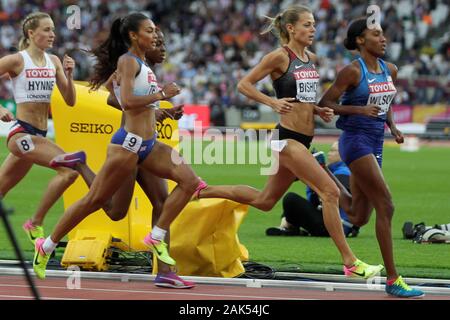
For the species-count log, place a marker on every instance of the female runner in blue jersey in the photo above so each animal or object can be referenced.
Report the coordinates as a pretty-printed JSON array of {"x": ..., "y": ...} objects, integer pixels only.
[
  {"x": 135, "y": 143},
  {"x": 367, "y": 90},
  {"x": 292, "y": 69}
]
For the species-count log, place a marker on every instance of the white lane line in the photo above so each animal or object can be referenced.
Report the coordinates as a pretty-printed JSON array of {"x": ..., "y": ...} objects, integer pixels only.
[
  {"x": 160, "y": 292},
  {"x": 32, "y": 298}
]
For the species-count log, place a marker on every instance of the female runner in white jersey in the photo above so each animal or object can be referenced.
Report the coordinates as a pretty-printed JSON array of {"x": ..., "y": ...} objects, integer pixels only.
[
  {"x": 295, "y": 80},
  {"x": 33, "y": 73},
  {"x": 154, "y": 187}
]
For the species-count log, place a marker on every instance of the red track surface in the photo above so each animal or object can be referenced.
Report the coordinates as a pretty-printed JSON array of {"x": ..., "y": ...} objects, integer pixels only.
[{"x": 16, "y": 288}]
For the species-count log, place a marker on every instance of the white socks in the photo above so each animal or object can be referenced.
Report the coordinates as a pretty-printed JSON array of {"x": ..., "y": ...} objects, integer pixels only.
[
  {"x": 49, "y": 246},
  {"x": 158, "y": 233}
]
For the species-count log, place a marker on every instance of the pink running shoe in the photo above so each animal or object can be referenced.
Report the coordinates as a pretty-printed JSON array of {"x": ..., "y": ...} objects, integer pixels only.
[
  {"x": 171, "y": 280},
  {"x": 363, "y": 270},
  {"x": 202, "y": 185},
  {"x": 68, "y": 160},
  {"x": 159, "y": 248},
  {"x": 33, "y": 232}
]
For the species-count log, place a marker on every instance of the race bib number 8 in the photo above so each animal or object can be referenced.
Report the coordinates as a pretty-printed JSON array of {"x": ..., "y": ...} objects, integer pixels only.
[
  {"x": 25, "y": 144},
  {"x": 132, "y": 142}
]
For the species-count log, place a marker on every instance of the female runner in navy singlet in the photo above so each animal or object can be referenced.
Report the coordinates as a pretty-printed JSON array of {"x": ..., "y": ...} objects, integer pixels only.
[{"x": 366, "y": 89}]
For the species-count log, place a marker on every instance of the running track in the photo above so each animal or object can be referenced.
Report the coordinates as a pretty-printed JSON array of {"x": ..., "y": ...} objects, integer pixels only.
[{"x": 16, "y": 288}]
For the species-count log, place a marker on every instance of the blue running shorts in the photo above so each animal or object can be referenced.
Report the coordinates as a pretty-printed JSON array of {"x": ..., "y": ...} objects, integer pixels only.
[
  {"x": 356, "y": 144},
  {"x": 133, "y": 143}
]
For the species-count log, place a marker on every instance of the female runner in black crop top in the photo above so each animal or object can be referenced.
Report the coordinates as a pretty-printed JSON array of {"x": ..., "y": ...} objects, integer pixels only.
[{"x": 292, "y": 69}]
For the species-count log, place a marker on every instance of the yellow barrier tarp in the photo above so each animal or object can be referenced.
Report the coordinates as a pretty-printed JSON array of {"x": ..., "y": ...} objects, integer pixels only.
[{"x": 210, "y": 228}]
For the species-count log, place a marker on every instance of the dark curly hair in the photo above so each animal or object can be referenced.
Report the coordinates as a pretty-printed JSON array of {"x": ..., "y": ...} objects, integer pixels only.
[{"x": 356, "y": 29}]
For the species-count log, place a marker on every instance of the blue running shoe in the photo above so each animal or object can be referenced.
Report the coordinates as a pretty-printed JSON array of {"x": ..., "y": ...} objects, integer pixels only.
[{"x": 401, "y": 290}]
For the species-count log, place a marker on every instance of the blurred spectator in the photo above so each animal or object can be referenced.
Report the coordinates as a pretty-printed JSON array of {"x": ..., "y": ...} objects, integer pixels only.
[
  {"x": 211, "y": 44},
  {"x": 402, "y": 96}
]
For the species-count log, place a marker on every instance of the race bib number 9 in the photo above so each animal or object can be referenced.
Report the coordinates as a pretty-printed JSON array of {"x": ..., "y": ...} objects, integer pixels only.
[{"x": 132, "y": 142}]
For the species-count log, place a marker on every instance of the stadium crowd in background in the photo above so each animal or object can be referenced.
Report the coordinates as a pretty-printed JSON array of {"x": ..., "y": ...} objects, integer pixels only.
[{"x": 210, "y": 52}]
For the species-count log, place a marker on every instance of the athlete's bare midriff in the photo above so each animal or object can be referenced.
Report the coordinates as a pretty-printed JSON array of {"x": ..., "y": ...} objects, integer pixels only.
[
  {"x": 140, "y": 121},
  {"x": 34, "y": 113},
  {"x": 300, "y": 119}
]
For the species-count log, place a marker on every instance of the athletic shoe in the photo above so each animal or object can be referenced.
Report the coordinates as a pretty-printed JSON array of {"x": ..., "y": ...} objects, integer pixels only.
[
  {"x": 33, "y": 232},
  {"x": 159, "y": 248},
  {"x": 68, "y": 160},
  {"x": 40, "y": 258},
  {"x": 401, "y": 290},
  {"x": 320, "y": 157},
  {"x": 171, "y": 280},
  {"x": 362, "y": 270},
  {"x": 202, "y": 185},
  {"x": 279, "y": 231}
]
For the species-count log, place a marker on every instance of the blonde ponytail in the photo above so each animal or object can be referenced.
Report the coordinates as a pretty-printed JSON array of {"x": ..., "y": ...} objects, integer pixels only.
[
  {"x": 23, "y": 43},
  {"x": 271, "y": 26},
  {"x": 278, "y": 24}
]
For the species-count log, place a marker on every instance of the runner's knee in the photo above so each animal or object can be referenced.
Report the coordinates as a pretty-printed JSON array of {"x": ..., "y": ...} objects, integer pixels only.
[
  {"x": 265, "y": 205},
  {"x": 95, "y": 201},
  {"x": 386, "y": 208},
  {"x": 68, "y": 175},
  {"x": 189, "y": 183},
  {"x": 330, "y": 194},
  {"x": 360, "y": 220},
  {"x": 116, "y": 214}
]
